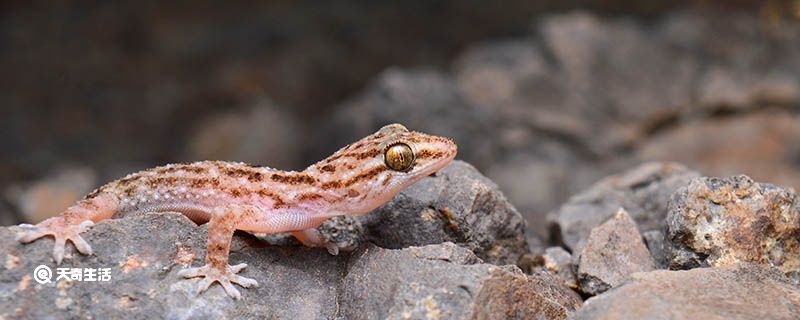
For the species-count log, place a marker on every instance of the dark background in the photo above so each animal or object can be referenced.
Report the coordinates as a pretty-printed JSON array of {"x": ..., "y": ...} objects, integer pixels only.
[{"x": 545, "y": 97}]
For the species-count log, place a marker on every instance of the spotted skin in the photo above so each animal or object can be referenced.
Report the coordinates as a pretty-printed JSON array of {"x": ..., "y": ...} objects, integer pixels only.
[{"x": 236, "y": 196}]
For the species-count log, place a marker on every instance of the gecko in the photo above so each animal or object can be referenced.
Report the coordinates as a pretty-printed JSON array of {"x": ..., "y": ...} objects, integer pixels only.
[{"x": 233, "y": 196}]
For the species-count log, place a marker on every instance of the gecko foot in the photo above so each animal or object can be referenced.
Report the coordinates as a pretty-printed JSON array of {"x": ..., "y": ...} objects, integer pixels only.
[
  {"x": 61, "y": 231},
  {"x": 226, "y": 278}
]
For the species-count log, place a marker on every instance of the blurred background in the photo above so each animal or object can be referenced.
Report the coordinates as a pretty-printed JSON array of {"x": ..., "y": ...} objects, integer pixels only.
[{"x": 544, "y": 97}]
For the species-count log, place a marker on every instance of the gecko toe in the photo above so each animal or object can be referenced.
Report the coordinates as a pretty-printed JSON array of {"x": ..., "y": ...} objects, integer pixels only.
[
  {"x": 80, "y": 244},
  {"x": 230, "y": 290},
  {"x": 237, "y": 268},
  {"x": 58, "y": 249},
  {"x": 189, "y": 273},
  {"x": 244, "y": 282},
  {"x": 86, "y": 225},
  {"x": 226, "y": 278},
  {"x": 33, "y": 233}
]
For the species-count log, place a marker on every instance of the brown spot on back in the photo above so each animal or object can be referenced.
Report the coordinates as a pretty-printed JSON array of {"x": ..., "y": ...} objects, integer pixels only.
[
  {"x": 309, "y": 196},
  {"x": 239, "y": 192},
  {"x": 293, "y": 178},
  {"x": 276, "y": 199},
  {"x": 328, "y": 168},
  {"x": 255, "y": 176},
  {"x": 331, "y": 185},
  {"x": 352, "y": 193}
]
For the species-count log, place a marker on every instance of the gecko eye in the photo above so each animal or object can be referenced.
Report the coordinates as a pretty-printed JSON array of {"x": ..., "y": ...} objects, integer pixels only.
[{"x": 399, "y": 156}]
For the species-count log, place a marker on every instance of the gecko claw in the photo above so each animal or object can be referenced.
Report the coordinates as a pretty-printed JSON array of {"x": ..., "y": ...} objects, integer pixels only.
[
  {"x": 333, "y": 249},
  {"x": 61, "y": 232},
  {"x": 225, "y": 278}
]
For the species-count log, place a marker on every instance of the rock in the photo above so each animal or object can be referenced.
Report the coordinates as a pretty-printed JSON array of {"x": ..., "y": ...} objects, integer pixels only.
[
  {"x": 613, "y": 251},
  {"x": 642, "y": 191},
  {"x": 144, "y": 253},
  {"x": 458, "y": 205},
  {"x": 725, "y": 221},
  {"x": 735, "y": 292},
  {"x": 656, "y": 243},
  {"x": 595, "y": 54},
  {"x": 412, "y": 284},
  {"x": 559, "y": 261}
]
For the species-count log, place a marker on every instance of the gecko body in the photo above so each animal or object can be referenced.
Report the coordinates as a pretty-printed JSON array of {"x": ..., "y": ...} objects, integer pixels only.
[{"x": 235, "y": 196}]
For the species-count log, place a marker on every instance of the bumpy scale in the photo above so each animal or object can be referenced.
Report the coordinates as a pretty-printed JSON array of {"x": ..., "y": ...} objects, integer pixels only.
[{"x": 235, "y": 196}]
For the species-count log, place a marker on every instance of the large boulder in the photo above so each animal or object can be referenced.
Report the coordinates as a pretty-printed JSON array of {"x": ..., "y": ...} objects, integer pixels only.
[{"x": 724, "y": 221}]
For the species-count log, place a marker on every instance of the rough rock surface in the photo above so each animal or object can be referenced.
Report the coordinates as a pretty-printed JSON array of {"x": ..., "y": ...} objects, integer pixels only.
[
  {"x": 613, "y": 251},
  {"x": 559, "y": 261},
  {"x": 424, "y": 283},
  {"x": 723, "y": 221},
  {"x": 734, "y": 292},
  {"x": 642, "y": 191},
  {"x": 145, "y": 252},
  {"x": 458, "y": 205}
]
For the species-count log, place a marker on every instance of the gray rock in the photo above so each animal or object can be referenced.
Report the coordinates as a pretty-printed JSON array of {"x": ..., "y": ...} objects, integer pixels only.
[
  {"x": 656, "y": 243},
  {"x": 145, "y": 252},
  {"x": 642, "y": 191},
  {"x": 613, "y": 251},
  {"x": 724, "y": 221},
  {"x": 412, "y": 284},
  {"x": 735, "y": 292},
  {"x": 559, "y": 261},
  {"x": 458, "y": 205}
]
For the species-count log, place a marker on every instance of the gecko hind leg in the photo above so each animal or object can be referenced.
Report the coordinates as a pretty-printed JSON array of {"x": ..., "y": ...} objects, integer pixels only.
[
  {"x": 69, "y": 225},
  {"x": 314, "y": 239},
  {"x": 220, "y": 231}
]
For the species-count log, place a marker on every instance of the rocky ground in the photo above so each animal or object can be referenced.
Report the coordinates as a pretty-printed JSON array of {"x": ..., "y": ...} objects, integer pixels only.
[{"x": 452, "y": 247}]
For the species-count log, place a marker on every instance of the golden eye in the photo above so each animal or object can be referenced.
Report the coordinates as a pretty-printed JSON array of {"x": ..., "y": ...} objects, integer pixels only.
[{"x": 399, "y": 157}]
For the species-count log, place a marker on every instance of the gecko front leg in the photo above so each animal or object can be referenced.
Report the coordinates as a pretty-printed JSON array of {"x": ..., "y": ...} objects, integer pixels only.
[{"x": 224, "y": 221}]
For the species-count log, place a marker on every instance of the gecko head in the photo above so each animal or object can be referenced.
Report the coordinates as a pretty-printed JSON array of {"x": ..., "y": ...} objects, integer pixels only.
[{"x": 369, "y": 172}]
